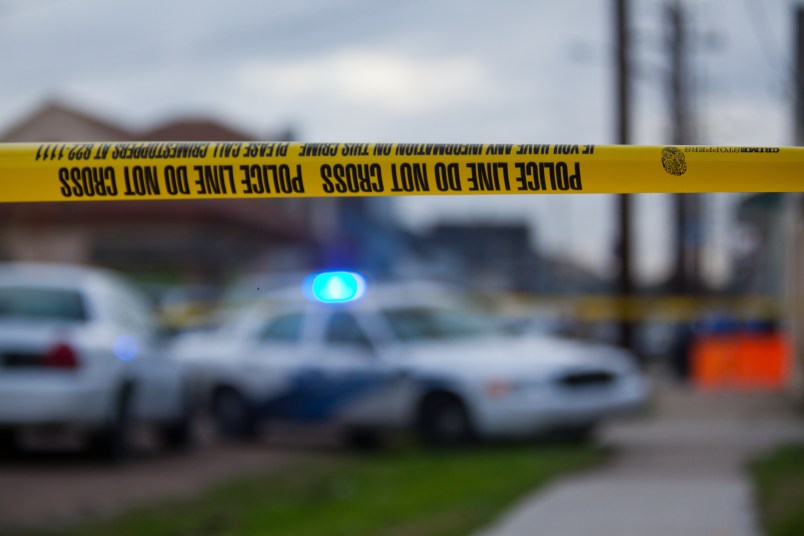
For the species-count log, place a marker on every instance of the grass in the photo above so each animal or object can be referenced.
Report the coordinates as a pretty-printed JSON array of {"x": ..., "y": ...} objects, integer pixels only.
[
  {"x": 405, "y": 492},
  {"x": 779, "y": 484}
]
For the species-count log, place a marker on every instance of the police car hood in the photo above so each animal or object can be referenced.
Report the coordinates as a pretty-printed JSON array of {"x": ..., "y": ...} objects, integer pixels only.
[{"x": 514, "y": 356}]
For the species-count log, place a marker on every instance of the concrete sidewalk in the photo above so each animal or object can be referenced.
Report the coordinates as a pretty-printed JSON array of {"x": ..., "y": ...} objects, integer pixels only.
[{"x": 678, "y": 473}]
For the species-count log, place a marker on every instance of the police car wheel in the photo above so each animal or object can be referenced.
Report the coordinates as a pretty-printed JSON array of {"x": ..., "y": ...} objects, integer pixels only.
[
  {"x": 232, "y": 415},
  {"x": 582, "y": 433},
  {"x": 178, "y": 434},
  {"x": 8, "y": 441},
  {"x": 444, "y": 421},
  {"x": 363, "y": 438},
  {"x": 113, "y": 442}
]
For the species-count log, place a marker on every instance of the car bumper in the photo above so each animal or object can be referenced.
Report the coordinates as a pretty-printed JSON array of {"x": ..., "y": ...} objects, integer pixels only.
[
  {"x": 545, "y": 409},
  {"x": 52, "y": 402}
]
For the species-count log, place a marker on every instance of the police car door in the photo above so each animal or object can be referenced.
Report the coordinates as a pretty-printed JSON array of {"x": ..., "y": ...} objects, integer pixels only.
[
  {"x": 359, "y": 385},
  {"x": 277, "y": 371}
]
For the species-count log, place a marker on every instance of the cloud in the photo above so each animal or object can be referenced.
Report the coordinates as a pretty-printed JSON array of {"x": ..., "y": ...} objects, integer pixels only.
[
  {"x": 388, "y": 82},
  {"x": 748, "y": 121}
]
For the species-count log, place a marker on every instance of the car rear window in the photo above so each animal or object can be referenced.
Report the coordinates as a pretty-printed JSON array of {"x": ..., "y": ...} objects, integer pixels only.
[{"x": 42, "y": 304}]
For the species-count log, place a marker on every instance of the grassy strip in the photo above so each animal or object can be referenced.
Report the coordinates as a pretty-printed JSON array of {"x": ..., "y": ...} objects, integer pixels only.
[
  {"x": 779, "y": 485},
  {"x": 410, "y": 492}
]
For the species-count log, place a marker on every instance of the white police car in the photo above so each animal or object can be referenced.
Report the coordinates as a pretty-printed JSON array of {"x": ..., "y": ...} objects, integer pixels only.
[
  {"x": 401, "y": 355},
  {"x": 78, "y": 352}
]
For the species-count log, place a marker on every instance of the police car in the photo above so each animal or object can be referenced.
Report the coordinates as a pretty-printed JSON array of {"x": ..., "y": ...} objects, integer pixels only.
[
  {"x": 402, "y": 356},
  {"x": 79, "y": 353}
]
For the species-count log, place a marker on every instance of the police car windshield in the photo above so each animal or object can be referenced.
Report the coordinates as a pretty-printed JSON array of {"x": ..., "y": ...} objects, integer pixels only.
[{"x": 422, "y": 323}]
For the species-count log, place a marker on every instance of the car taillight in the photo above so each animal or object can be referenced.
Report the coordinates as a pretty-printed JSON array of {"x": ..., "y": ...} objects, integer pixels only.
[{"x": 61, "y": 356}]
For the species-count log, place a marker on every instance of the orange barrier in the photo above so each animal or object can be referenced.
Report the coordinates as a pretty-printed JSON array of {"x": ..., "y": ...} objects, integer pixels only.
[{"x": 740, "y": 361}]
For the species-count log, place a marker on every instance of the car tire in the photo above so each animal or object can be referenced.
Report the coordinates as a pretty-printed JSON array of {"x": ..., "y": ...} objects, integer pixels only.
[
  {"x": 8, "y": 442},
  {"x": 113, "y": 442},
  {"x": 363, "y": 438},
  {"x": 444, "y": 421},
  {"x": 178, "y": 434},
  {"x": 580, "y": 434},
  {"x": 233, "y": 415}
]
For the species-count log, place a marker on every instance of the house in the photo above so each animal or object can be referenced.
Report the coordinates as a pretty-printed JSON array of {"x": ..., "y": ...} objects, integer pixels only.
[{"x": 166, "y": 241}]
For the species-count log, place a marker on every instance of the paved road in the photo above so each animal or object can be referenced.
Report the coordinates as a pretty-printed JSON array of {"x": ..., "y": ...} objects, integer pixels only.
[{"x": 678, "y": 474}]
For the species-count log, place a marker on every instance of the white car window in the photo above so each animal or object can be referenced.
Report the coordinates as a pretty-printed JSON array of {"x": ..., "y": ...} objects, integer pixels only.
[
  {"x": 425, "y": 323},
  {"x": 343, "y": 328},
  {"x": 29, "y": 303},
  {"x": 285, "y": 328}
]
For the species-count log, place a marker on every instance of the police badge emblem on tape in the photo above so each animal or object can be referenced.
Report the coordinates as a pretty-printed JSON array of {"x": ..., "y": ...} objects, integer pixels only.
[{"x": 217, "y": 170}]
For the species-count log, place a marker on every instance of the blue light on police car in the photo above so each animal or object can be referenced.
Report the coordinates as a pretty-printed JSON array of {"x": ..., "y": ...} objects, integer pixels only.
[{"x": 337, "y": 287}]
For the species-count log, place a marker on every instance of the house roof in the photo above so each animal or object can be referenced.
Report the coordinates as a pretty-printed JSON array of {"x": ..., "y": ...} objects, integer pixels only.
[
  {"x": 193, "y": 129},
  {"x": 57, "y": 122}
]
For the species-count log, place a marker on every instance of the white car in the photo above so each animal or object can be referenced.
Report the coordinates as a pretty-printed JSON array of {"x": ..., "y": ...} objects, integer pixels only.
[
  {"x": 78, "y": 351},
  {"x": 405, "y": 356}
]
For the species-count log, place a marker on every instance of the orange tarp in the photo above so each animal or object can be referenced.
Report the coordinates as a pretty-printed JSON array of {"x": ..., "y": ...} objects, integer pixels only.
[{"x": 743, "y": 361}]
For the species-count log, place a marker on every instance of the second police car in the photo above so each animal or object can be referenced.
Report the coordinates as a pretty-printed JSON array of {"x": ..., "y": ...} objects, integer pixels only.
[{"x": 402, "y": 356}]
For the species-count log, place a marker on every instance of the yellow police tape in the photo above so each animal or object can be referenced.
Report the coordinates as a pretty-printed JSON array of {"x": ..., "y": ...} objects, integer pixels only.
[
  {"x": 192, "y": 170},
  {"x": 575, "y": 308},
  {"x": 659, "y": 308}
]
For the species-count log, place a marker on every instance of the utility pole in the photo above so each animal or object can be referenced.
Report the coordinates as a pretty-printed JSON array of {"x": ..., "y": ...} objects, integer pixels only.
[
  {"x": 799, "y": 95},
  {"x": 685, "y": 213},
  {"x": 623, "y": 103},
  {"x": 677, "y": 50}
]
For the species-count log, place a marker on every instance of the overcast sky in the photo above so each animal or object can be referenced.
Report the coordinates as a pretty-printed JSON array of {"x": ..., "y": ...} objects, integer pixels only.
[{"x": 420, "y": 71}]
